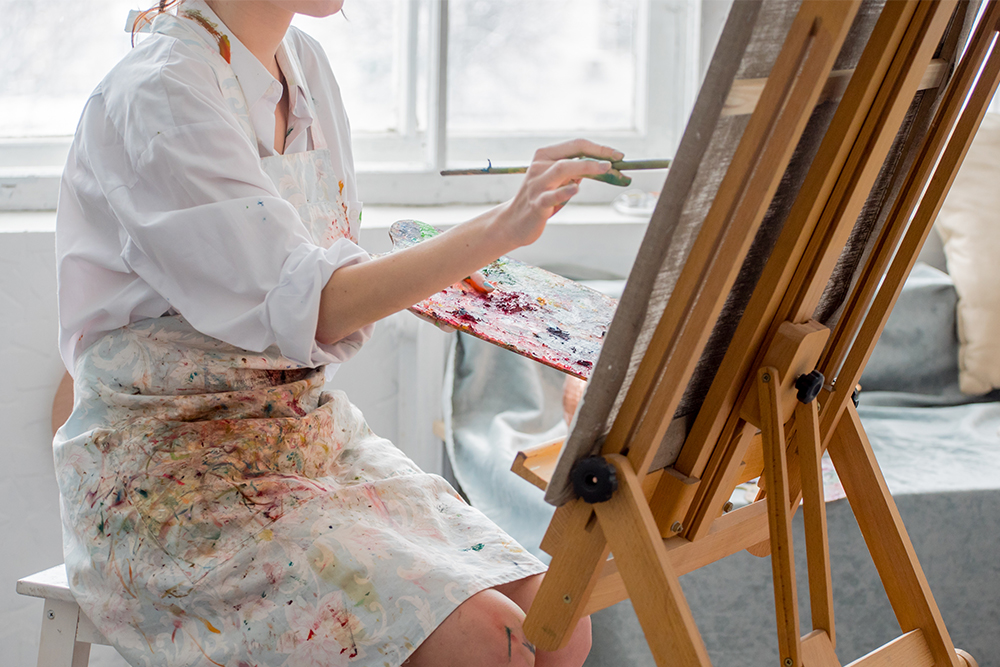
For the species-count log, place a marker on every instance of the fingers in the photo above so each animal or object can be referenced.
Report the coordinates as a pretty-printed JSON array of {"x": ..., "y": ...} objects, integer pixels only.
[
  {"x": 573, "y": 170},
  {"x": 553, "y": 179},
  {"x": 567, "y": 169},
  {"x": 557, "y": 198},
  {"x": 578, "y": 148},
  {"x": 580, "y": 158},
  {"x": 614, "y": 177},
  {"x": 479, "y": 282}
]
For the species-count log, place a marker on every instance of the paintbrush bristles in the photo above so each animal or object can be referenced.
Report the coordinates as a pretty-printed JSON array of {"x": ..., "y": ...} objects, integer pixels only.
[{"x": 620, "y": 165}]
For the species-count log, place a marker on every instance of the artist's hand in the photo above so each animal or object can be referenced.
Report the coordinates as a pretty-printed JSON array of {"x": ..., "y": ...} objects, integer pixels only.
[
  {"x": 552, "y": 180},
  {"x": 479, "y": 283}
]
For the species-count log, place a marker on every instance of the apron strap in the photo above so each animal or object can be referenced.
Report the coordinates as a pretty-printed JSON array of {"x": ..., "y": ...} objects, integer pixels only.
[{"x": 291, "y": 59}]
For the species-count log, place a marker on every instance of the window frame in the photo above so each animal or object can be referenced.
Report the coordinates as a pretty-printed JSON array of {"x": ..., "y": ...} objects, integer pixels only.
[{"x": 406, "y": 164}]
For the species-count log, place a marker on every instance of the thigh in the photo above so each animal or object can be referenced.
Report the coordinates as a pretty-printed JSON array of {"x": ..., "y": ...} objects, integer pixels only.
[{"x": 522, "y": 591}]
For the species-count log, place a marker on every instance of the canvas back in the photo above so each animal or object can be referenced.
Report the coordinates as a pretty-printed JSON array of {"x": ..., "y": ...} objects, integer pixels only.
[{"x": 748, "y": 48}]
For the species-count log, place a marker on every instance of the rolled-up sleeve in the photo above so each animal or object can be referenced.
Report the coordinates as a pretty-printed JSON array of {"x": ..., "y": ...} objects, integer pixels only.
[
  {"x": 203, "y": 225},
  {"x": 293, "y": 304}
]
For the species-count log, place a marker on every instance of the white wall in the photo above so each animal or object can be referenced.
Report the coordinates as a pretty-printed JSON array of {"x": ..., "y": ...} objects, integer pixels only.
[{"x": 29, "y": 524}]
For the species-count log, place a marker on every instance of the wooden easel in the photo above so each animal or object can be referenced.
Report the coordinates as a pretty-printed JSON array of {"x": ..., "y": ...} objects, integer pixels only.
[{"x": 767, "y": 411}]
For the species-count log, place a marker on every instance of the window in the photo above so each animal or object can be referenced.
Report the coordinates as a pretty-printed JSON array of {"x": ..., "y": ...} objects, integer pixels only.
[{"x": 427, "y": 83}]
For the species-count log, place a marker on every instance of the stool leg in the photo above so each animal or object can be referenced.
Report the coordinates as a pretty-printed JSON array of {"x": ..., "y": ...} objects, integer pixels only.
[{"x": 58, "y": 646}]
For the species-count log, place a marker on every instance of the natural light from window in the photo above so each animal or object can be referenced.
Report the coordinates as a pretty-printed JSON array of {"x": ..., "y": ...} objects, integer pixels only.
[{"x": 520, "y": 74}]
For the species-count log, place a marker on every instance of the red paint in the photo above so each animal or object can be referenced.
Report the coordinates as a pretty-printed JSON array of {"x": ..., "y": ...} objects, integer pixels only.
[
  {"x": 296, "y": 408},
  {"x": 512, "y": 303},
  {"x": 532, "y": 312},
  {"x": 465, "y": 315}
]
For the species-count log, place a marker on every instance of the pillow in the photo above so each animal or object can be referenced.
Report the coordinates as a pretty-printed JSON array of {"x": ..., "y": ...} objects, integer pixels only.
[
  {"x": 969, "y": 223},
  {"x": 918, "y": 351}
]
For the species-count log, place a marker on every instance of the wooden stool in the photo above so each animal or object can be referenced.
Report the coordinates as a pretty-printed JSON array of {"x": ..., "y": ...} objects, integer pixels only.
[{"x": 66, "y": 632}]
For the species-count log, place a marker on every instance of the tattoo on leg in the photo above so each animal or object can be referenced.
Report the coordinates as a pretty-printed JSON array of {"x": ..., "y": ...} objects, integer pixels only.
[
  {"x": 528, "y": 645},
  {"x": 508, "y": 642}
]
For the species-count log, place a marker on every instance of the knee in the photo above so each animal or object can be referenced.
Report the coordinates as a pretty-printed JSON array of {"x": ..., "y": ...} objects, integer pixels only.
[
  {"x": 496, "y": 626},
  {"x": 580, "y": 643},
  {"x": 484, "y": 630}
]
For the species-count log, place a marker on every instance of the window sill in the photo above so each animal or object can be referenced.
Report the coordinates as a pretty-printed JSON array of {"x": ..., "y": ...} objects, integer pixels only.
[
  {"x": 13, "y": 222},
  {"x": 585, "y": 241},
  {"x": 36, "y": 188}
]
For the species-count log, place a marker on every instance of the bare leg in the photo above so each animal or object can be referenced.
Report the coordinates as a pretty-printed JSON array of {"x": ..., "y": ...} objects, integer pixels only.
[
  {"x": 522, "y": 592},
  {"x": 485, "y": 630}
]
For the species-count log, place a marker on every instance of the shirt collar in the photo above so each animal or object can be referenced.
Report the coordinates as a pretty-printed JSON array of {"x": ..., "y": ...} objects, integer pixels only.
[
  {"x": 256, "y": 82},
  {"x": 211, "y": 26},
  {"x": 254, "y": 78}
]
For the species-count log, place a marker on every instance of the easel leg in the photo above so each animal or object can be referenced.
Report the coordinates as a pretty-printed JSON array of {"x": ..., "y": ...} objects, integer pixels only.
[
  {"x": 886, "y": 537},
  {"x": 814, "y": 518},
  {"x": 779, "y": 516},
  {"x": 649, "y": 577},
  {"x": 560, "y": 601}
]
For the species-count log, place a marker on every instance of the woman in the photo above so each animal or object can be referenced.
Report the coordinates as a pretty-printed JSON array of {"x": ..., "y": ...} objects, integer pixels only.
[{"x": 219, "y": 508}]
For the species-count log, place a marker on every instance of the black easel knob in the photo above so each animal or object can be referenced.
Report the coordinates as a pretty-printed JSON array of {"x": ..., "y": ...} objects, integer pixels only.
[
  {"x": 809, "y": 386},
  {"x": 594, "y": 479}
]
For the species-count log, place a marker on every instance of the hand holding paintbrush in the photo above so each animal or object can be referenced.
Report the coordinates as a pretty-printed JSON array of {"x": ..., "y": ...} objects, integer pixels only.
[{"x": 614, "y": 176}]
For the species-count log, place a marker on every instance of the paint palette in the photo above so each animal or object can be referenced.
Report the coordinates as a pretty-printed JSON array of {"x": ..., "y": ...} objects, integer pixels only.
[{"x": 533, "y": 312}]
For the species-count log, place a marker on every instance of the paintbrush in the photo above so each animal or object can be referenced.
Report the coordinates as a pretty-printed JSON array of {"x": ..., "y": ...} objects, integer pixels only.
[{"x": 610, "y": 177}]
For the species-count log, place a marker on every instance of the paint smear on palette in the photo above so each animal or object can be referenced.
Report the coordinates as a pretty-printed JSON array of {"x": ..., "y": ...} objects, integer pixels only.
[{"x": 533, "y": 312}]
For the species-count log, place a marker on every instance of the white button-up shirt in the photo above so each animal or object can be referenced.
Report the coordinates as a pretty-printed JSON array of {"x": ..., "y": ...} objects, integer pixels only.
[{"x": 152, "y": 207}]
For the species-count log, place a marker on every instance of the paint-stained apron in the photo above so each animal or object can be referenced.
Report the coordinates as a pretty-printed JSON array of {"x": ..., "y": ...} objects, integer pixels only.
[{"x": 220, "y": 508}]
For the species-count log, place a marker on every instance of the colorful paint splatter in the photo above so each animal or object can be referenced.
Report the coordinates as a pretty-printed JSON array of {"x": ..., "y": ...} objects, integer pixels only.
[
  {"x": 220, "y": 508},
  {"x": 533, "y": 312},
  {"x": 225, "y": 48}
]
